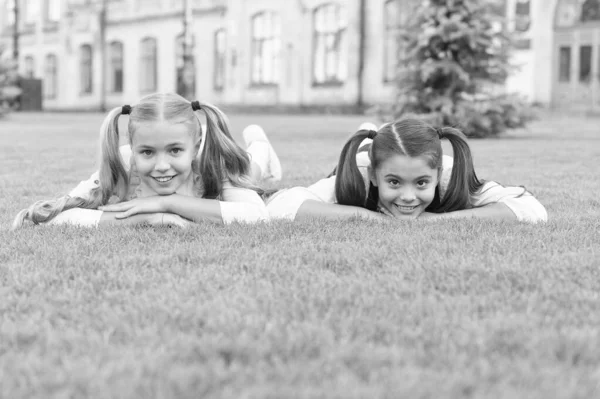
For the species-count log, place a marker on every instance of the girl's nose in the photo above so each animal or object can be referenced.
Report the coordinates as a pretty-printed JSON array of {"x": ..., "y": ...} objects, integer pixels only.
[
  {"x": 162, "y": 164},
  {"x": 407, "y": 196}
]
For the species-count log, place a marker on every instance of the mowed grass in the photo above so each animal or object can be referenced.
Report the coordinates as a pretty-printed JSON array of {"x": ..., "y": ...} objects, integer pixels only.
[{"x": 322, "y": 310}]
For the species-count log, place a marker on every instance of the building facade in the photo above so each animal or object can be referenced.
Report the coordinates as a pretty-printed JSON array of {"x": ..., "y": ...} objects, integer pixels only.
[{"x": 290, "y": 53}]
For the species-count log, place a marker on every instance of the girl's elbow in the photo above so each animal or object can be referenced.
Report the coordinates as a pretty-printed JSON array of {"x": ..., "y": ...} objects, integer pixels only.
[
  {"x": 529, "y": 210},
  {"x": 250, "y": 214}
]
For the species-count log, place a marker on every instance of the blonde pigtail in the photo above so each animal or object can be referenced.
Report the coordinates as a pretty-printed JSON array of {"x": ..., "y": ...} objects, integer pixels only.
[
  {"x": 221, "y": 158},
  {"x": 114, "y": 179}
]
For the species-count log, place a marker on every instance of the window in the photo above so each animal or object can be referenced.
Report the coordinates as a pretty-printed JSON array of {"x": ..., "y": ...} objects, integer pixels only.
[
  {"x": 52, "y": 10},
  {"x": 186, "y": 80},
  {"x": 115, "y": 71},
  {"x": 29, "y": 67},
  {"x": 564, "y": 64},
  {"x": 32, "y": 11},
  {"x": 391, "y": 39},
  {"x": 9, "y": 8},
  {"x": 219, "y": 71},
  {"x": 330, "y": 60},
  {"x": 585, "y": 63},
  {"x": 266, "y": 31},
  {"x": 85, "y": 69},
  {"x": 148, "y": 72},
  {"x": 590, "y": 11},
  {"x": 50, "y": 77},
  {"x": 522, "y": 15}
]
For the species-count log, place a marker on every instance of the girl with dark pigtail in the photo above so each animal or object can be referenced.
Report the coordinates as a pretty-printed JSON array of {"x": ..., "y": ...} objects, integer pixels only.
[
  {"x": 172, "y": 172},
  {"x": 400, "y": 171}
]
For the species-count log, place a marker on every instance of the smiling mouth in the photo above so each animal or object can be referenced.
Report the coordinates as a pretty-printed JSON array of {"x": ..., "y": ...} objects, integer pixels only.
[
  {"x": 406, "y": 209},
  {"x": 163, "y": 179}
]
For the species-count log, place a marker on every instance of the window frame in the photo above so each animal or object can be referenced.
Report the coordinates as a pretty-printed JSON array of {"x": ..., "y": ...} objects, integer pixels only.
[
  {"x": 29, "y": 66},
  {"x": 148, "y": 80},
  {"x": 268, "y": 37},
  {"x": 50, "y": 76},
  {"x": 116, "y": 64},
  {"x": 220, "y": 59},
  {"x": 86, "y": 64},
  {"x": 390, "y": 29},
  {"x": 338, "y": 32},
  {"x": 564, "y": 74}
]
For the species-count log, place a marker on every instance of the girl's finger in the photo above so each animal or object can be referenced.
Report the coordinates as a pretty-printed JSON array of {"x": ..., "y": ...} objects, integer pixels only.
[
  {"x": 114, "y": 208},
  {"x": 126, "y": 214}
]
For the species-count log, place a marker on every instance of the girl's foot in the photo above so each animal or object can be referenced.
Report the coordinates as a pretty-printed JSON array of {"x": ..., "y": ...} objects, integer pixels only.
[{"x": 255, "y": 136}]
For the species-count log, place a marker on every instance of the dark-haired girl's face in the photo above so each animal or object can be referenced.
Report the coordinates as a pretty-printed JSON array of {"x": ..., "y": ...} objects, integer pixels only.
[{"x": 406, "y": 185}]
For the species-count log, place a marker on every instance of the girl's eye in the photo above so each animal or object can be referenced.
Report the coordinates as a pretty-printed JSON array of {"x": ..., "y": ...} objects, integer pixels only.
[
  {"x": 176, "y": 150},
  {"x": 422, "y": 183},
  {"x": 147, "y": 153},
  {"x": 394, "y": 182}
]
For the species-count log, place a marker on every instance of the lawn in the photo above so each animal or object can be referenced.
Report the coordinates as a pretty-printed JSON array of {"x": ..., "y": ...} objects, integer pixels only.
[{"x": 324, "y": 310}]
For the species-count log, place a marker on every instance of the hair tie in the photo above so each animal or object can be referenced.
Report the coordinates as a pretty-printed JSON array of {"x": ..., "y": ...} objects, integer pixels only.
[
  {"x": 196, "y": 105},
  {"x": 126, "y": 109},
  {"x": 372, "y": 134},
  {"x": 439, "y": 132}
]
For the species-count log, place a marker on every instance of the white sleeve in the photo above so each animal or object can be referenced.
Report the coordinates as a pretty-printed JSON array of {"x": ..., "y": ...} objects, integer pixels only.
[
  {"x": 84, "y": 188},
  {"x": 523, "y": 204},
  {"x": 447, "y": 163},
  {"x": 241, "y": 205},
  {"x": 78, "y": 217}
]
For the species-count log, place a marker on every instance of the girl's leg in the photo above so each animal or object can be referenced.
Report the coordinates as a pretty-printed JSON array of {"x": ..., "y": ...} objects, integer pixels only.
[{"x": 265, "y": 163}]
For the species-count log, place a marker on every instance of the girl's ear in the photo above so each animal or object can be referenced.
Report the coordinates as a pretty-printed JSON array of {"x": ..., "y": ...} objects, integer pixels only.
[{"x": 372, "y": 177}]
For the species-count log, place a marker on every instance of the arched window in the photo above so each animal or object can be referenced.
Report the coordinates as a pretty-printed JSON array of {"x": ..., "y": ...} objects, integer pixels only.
[
  {"x": 115, "y": 70},
  {"x": 29, "y": 67},
  {"x": 266, "y": 32},
  {"x": 590, "y": 11},
  {"x": 330, "y": 48},
  {"x": 85, "y": 69},
  {"x": 219, "y": 65},
  {"x": 148, "y": 68},
  {"x": 50, "y": 77}
]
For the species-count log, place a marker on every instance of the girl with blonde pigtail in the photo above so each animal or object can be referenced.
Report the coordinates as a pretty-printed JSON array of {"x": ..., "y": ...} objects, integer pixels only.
[
  {"x": 172, "y": 172},
  {"x": 400, "y": 171}
]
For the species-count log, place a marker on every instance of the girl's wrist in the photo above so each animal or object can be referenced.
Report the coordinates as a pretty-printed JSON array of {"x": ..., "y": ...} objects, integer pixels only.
[{"x": 165, "y": 203}]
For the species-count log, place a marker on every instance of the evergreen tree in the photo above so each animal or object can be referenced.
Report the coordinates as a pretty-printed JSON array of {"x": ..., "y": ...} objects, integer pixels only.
[
  {"x": 454, "y": 60},
  {"x": 9, "y": 90}
]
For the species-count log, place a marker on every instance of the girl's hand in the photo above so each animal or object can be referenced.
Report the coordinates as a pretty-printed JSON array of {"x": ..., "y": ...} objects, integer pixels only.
[
  {"x": 155, "y": 204},
  {"x": 168, "y": 219}
]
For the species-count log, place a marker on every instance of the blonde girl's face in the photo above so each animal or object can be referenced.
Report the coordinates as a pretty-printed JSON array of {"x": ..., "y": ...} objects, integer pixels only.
[
  {"x": 163, "y": 154},
  {"x": 406, "y": 185}
]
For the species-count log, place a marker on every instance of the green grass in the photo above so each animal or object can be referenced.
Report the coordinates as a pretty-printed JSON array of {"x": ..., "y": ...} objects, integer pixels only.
[{"x": 325, "y": 310}]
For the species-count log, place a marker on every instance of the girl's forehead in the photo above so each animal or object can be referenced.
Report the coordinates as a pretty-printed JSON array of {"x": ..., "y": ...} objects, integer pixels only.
[
  {"x": 161, "y": 132},
  {"x": 404, "y": 165}
]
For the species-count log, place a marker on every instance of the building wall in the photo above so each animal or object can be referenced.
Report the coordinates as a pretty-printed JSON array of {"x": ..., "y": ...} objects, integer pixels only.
[{"x": 131, "y": 20}]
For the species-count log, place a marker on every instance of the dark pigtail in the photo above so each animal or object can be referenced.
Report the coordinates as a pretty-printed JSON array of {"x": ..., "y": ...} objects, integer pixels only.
[
  {"x": 463, "y": 181},
  {"x": 349, "y": 183}
]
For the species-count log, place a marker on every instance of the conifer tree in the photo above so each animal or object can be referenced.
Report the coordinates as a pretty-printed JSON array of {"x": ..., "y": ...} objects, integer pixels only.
[{"x": 453, "y": 63}]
